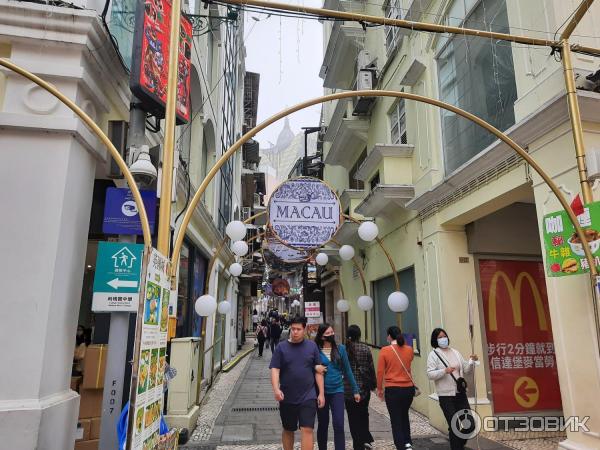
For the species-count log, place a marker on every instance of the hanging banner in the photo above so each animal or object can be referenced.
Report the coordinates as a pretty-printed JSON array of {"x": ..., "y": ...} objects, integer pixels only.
[
  {"x": 285, "y": 253},
  {"x": 148, "y": 403},
  {"x": 564, "y": 252},
  {"x": 520, "y": 350},
  {"x": 304, "y": 213},
  {"x": 150, "y": 59}
]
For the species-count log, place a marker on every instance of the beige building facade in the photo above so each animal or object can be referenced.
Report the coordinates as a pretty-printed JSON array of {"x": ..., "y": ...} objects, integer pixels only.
[{"x": 452, "y": 203}]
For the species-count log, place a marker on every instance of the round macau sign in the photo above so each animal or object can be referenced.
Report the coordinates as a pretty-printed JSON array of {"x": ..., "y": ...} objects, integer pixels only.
[{"x": 304, "y": 213}]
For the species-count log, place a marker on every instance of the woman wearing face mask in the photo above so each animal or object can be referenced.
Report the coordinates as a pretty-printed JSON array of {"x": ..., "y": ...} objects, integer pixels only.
[
  {"x": 447, "y": 367},
  {"x": 335, "y": 359},
  {"x": 394, "y": 376}
]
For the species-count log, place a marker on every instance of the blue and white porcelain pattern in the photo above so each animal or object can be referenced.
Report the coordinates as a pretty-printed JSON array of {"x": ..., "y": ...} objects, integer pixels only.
[{"x": 304, "y": 213}]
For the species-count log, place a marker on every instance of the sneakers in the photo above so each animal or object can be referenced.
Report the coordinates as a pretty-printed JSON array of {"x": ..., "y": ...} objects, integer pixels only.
[
  {"x": 369, "y": 446},
  {"x": 408, "y": 446}
]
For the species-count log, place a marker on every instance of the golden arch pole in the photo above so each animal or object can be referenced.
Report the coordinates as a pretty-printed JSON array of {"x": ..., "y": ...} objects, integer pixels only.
[
  {"x": 99, "y": 134},
  {"x": 408, "y": 96}
]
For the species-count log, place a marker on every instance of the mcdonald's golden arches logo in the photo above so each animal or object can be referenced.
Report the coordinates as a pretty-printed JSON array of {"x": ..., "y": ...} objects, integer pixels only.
[{"x": 514, "y": 292}]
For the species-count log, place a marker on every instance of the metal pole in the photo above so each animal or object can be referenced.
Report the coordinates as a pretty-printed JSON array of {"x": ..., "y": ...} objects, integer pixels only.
[
  {"x": 575, "y": 117},
  {"x": 164, "y": 217},
  {"x": 579, "y": 13},
  {"x": 410, "y": 25},
  {"x": 116, "y": 359}
]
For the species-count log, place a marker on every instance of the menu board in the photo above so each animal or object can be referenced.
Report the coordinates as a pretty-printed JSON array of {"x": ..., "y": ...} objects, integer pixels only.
[
  {"x": 564, "y": 251},
  {"x": 149, "y": 398}
]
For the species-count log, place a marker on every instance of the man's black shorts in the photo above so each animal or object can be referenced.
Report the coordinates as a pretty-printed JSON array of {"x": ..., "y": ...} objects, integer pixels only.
[{"x": 302, "y": 414}]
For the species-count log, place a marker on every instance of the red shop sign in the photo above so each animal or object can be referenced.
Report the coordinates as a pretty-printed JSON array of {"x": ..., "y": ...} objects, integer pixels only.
[
  {"x": 520, "y": 350},
  {"x": 150, "y": 59}
]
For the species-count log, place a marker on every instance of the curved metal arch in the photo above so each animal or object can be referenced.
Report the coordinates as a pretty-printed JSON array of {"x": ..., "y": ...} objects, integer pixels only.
[
  {"x": 375, "y": 93},
  {"x": 99, "y": 133}
]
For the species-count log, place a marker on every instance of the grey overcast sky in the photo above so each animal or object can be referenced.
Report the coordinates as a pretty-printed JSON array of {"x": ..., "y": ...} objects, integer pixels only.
[{"x": 287, "y": 52}]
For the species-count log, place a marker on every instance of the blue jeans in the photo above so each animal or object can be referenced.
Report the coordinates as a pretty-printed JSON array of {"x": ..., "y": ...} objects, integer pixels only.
[{"x": 335, "y": 402}]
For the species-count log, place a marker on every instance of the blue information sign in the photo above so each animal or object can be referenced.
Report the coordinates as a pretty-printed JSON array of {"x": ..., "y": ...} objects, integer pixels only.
[{"x": 121, "y": 214}]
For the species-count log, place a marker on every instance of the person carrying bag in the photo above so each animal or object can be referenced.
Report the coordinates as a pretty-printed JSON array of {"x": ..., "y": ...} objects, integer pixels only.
[{"x": 442, "y": 364}]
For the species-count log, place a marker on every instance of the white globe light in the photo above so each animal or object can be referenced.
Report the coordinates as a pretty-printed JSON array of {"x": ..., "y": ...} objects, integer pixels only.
[
  {"x": 224, "y": 307},
  {"x": 398, "y": 301},
  {"x": 368, "y": 231},
  {"x": 343, "y": 305},
  {"x": 322, "y": 259},
  {"x": 240, "y": 248},
  {"x": 236, "y": 230},
  {"x": 236, "y": 269},
  {"x": 346, "y": 252},
  {"x": 295, "y": 303},
  {"x": 365, "y": 303},
  {"x": 205, "y": 306}
]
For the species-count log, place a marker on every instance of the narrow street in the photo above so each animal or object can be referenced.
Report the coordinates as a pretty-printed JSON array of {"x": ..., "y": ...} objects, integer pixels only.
[{"x": 240, "y": 413}]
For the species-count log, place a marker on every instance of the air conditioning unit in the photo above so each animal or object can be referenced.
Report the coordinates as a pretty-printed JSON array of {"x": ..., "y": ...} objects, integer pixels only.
[{"x": 365, "y": 80}]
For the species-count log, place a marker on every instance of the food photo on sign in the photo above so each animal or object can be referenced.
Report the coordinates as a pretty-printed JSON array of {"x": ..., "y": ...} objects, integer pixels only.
[
  {"x": 564, "y": 249},
  {"x": 280, "y": 287}
]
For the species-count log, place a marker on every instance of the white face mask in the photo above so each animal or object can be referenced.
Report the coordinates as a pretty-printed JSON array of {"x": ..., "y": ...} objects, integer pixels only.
[{"x": 443, "y": 342}]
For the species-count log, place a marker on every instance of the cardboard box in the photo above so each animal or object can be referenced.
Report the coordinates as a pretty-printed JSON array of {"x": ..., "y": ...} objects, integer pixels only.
[
  {"x": 95, "y": 430},
  {"x": 75, "y": 382},
  {"x": 87, "y": 445},
  {"x": 90, "y": 403},
  {"x": 94, "y": 365},
  {"x": 83, "y": 430}
]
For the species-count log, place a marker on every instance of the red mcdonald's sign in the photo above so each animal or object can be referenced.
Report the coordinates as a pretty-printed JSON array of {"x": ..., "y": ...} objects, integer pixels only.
[{"x": 519, "y": 336}]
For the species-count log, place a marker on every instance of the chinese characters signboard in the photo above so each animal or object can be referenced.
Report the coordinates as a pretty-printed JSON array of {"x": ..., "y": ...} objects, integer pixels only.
[
  {"x": 312, "y": 309},
  {"x": 150, "y": 59},
  {"x": 149, "y": 398},
  {"x": 117, "y": 277},
  {"x": 519, "y": 336},
  {"x": 304, "y": 213},
  {"x": 564, "y": 252},
  {"x": 121, "y": 215}
]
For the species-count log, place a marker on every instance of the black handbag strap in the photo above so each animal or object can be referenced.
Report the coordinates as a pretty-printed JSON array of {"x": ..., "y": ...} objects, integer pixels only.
[{"x": 444, "y": 363}]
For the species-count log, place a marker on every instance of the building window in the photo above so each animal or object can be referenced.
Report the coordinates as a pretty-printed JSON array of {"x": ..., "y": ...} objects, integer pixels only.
[
  {"x": 408, "y": 321},
  {"x": 476, "y": 75},
  {"x": 392, "y": 34},
  {"x": 353, "y": 183},
  {"x": 398, "y": 123}
]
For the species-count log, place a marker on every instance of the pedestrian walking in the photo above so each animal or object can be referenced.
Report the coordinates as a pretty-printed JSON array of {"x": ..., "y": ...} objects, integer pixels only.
[
  {"x": 275, "y": 334},
  {"x": 335, "y": 359},
  {"x": 295, "y": 377},
  {"x": 254, "y": 320},
  {"x": 447, "y": 367},
  {"x": 261, "y": 336},
  {"x": 395, "y": 384},
  {"x": 361, "y": 363}
]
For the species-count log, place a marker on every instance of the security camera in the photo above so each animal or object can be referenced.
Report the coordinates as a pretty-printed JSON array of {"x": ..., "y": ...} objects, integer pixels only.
[{"x": 142, "y": 169}]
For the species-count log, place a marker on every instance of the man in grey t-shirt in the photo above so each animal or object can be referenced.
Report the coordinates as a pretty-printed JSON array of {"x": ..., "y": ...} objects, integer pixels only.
[{"x": 293, "y": 375}]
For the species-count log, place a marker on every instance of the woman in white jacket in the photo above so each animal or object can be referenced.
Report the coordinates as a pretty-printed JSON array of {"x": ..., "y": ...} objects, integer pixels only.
[{"x": 447, "y": 367}]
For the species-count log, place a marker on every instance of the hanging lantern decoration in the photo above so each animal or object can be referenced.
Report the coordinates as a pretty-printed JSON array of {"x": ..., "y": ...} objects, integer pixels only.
[
  {"x": 205, "y": 306},
  {"x": 224, "y": 307},
  {"x": 398, "y": 301},
  {"x": 346, "y": 252},
  {"x": 240, "y": 248},
  {"x": 236, "y": 269},
  {"x": 322, "y": 259},
  {"x": 365, "y": 303},
  {"x": 343, "y": 305},
  {"x": 236, "y": 230},
  {"x": 368, "y": 231}
]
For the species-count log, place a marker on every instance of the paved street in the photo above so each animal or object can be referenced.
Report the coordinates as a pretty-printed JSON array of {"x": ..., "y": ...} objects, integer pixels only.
[{"x": 240, "y": 413}]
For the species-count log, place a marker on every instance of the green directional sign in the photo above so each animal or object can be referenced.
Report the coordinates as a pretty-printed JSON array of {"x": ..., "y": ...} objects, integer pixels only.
[{"x": 117, "y": 278}]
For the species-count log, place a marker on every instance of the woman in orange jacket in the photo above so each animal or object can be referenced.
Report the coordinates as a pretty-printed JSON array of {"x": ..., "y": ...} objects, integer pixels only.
[{"x": 394, "y": 383}]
